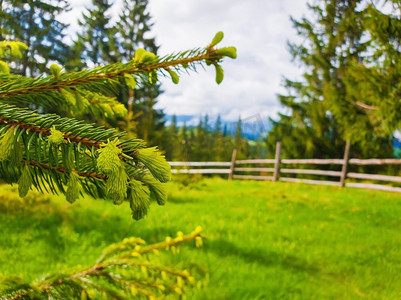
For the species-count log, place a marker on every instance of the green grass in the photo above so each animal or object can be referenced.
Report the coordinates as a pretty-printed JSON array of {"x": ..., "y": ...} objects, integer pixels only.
[{"x": 264, "y": 240}]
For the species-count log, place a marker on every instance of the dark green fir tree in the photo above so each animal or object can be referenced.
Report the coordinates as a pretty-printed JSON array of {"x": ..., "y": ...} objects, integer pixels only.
[
  {"x": 323, "y": 111},
  {"x": 96, "y": 43},
  {"x": 35, "y": 24}
]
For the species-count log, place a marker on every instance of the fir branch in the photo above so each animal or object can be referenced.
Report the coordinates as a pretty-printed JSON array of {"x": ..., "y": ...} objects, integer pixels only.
[
  {"x": 63, "y": 170},
  {"x": 366, "y": 106},
  {"x": 102, "y": 75},
  {"x": 121, "y": 273},
  {"x": 47, "y": 151},
  {"x": 73, "y": 130}
]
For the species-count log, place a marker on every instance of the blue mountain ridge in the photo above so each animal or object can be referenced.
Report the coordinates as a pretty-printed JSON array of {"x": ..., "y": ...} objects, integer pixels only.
[{"x": 253, "y": 128}]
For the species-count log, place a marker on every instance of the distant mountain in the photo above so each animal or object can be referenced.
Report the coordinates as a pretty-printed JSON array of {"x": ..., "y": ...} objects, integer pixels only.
[{"x": 253, "y": 128}]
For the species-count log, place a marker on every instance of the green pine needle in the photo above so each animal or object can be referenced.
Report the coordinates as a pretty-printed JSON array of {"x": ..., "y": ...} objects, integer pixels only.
[
  {"x": 157, "y": 189},
  {"x": 155, "y": 162},
  {"x": 139, "y": 199},
  {"x": 116, "y": 186}
]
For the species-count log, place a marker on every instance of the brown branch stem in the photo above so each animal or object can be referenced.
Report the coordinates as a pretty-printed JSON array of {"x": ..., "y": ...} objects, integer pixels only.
[
  {"x": 139, "y": 68},
  {"x": 366, "y": 106},
  {"x": 63, "y": 170},
  {"x": 46, "y": 131}
]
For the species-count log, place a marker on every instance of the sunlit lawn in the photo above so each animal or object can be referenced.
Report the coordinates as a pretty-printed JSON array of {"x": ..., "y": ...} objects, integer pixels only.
[{"x": 264, "y": 240}]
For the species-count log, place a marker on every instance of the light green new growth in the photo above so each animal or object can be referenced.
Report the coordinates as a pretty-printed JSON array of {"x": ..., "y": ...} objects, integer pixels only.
[
  {"x": 4, "y": 68},
  {"x": 25, "y": 181},
  {"x": 174, "y": 76},
  {"x": 130, "y": 81},
  {"x": 116, "y": 186},
  {"x": 7, "y": 144},
  {"x": 217, "y": 38},
  {"x": 228, "y": 51},
  {"x": 13, "y": 48},
  {"x": 219, "y": 74},
  {"x": 157, "y": 189},
  {"x": 55, "y": 70},
  {"x": 73, "y": 188},
  {"x": 108, "y": 161},
  {"x": 155, "y": 162},
  {"x": 139, "y": 199},
  {"x": 68, "y": 97},
  {"x": 16, "y": 155},
  {"x": 56, "y": 137}
]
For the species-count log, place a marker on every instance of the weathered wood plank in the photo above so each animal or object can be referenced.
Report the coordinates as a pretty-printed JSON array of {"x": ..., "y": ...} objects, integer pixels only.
[
  {"x": 345, "y": 164},
  {"x": 353, "y": 161},
  {"x": 312, "y": 161},
  {"x": 374, "y": 177},
  {"x": 254, "y": 169},
  {"x": 324, "y": 182},
  {"x": 200, "y": 171},
  {"x": 373, "y": 187},
  {"x": 253, "y": 177},
  {"x": 277, "y": 156},
  {"x": 232, "y": 164},
  {"x": 375, "y": 161},
  {"x": 312, "y": 172},
  {"x": 254, "y": 161},
  {"x": 199, "y": 163}
]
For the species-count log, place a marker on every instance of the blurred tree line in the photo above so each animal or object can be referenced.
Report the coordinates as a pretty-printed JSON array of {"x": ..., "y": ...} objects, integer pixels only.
[
  {"x": 350, "y": 50},
  {"x": 209, "y": 142},
  {"x": 103, "y": 39}
]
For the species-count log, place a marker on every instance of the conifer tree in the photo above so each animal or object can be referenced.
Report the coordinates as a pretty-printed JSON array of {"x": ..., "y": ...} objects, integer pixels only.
[
  {"x": 133, "y": 28},
  {"x": 199, "y": 145},
  {"x": 172, "y": 141},
  {"x": 324, "y": 113},
  {"x": 218, "y": 141},
  {"x": 96, "y": 40},
  {"x": 185, "y": 148},
  {"x": 373, "y": 81},
  {"x": 240, "y": 143},
  {"x": 35, "y": 24},
  {"x": 133, "y": 31},
  {"x": 103, "y": 41}
]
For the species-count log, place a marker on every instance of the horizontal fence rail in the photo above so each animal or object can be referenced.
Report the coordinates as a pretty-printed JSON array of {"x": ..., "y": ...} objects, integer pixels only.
[
  {"x": 254, "y": 161},
  {"x": 200, "y": 164},
  {"x": 311, "y": 172},
  {"x": 201, "y": 171},
  {"x": 270, "y": 169},
  {"x": 310, "y": 181},
  {"x": 313, "y": 161},
  {"x": 375, "y": 161},
  {"x": 253, "y": 177}
]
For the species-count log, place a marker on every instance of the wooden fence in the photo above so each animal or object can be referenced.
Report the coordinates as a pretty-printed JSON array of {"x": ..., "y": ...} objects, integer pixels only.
[{"x": 271, "y": 169}]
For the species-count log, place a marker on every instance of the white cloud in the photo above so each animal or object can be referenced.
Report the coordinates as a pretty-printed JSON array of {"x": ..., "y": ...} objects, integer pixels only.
[{"x": 259, "y": 29}]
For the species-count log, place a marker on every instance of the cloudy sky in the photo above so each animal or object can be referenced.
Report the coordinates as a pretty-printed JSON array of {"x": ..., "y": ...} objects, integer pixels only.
[{"x": 259, "y": 29}]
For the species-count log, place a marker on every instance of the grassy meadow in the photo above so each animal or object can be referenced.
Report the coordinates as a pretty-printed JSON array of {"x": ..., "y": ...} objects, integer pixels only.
[{"x": 264, "y": 240}]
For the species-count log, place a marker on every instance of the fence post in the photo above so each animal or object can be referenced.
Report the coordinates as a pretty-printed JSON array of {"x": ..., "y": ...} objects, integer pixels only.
[
  {"x": 276, "y": 173},
  {"x": 232, "y": 166},
  {"x": 345, "y": 164}
]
